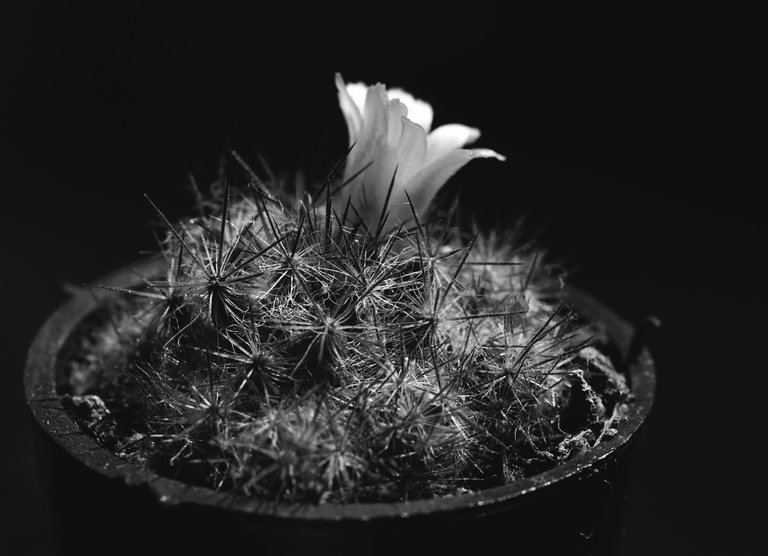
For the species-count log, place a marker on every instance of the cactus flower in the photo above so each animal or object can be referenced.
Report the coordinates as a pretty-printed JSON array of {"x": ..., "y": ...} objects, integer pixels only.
[{"x": 390, "y": 130}]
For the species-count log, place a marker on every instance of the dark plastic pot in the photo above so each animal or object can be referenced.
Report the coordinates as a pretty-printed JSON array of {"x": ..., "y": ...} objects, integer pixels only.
[{"x": 98, "y": 502}]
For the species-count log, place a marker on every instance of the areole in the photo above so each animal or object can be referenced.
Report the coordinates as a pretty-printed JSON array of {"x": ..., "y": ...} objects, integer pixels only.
[{"x": 163, "y": 496}]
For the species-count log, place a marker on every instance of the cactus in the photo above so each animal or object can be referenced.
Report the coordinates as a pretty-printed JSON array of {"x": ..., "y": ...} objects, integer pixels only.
[{"x": 302, "y": 349}]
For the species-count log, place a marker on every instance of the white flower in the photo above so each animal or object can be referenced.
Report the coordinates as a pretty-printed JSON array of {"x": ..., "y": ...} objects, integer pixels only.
[{"x": 390, "y": 131}]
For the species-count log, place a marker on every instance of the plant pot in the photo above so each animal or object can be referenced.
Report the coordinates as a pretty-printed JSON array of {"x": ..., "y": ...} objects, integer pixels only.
[{"x": 100, "y": 502}]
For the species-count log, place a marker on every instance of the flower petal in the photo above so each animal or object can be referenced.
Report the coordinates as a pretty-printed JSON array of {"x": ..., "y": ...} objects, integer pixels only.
[
  {"x": 403, "y": 161},
  {"x": 449, "y": 137},
  {"x": 358, "y": 92},
  {"x": 373, "y": 130},
  {"x": 423, "y": 187},
  {"x": 370, "y": 148},
  {"x": 411, "y": 150},
  {"x": 397, "y": 111},
  {"x": 419, "y": 111},
  {"x": 349, "y": 108}
]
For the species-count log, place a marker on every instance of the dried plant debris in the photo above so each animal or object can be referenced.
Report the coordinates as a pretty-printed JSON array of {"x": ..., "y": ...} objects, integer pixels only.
[{"x": 290, "y": 351}]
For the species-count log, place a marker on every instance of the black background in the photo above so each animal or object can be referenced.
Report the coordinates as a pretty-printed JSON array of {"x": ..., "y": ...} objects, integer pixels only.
[{"x": 629, "y": 135}]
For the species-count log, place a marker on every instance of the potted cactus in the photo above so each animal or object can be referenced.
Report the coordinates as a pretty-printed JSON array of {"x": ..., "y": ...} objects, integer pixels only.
[{"x": 339, "y": 369}]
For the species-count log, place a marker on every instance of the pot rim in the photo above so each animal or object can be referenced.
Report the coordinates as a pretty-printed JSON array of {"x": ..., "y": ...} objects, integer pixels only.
[{"x": 45, "y": 405}]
